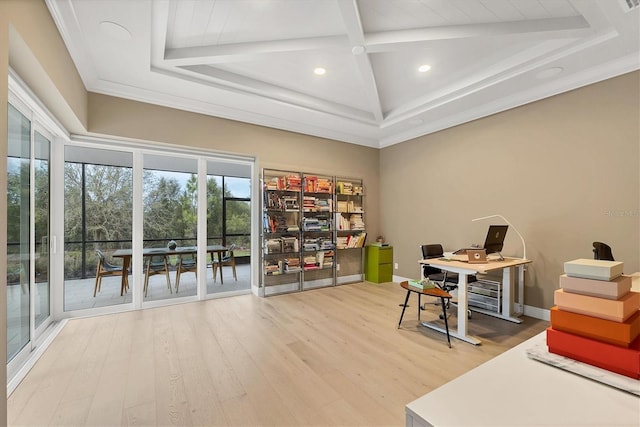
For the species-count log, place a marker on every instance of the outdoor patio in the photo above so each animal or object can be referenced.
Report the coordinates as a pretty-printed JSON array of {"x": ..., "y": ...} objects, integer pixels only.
[{"x": 79, "y": 293}]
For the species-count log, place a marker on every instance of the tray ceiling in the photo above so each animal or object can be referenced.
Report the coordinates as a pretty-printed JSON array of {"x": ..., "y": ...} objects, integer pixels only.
[{"x": 254, "y": 60}]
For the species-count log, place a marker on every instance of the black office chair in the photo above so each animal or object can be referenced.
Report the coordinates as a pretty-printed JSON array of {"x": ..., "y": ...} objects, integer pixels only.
[
  {"x": 602, "y": 251},
  {"x": 447, "y": 281}
]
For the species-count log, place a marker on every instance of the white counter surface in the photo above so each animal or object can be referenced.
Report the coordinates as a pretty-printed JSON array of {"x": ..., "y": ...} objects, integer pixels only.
[{"x": 513, "y": 390}]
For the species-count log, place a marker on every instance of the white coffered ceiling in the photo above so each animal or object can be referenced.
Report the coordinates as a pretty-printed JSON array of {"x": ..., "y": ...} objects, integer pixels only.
[{"x": 254, "y": 60}]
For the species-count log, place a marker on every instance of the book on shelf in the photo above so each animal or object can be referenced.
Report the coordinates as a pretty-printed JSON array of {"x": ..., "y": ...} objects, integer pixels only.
[
  {"x": 293, "y": 183},
  {"x": 351, "y": 241},
  {"x": 273, "y": 246},
  {"x": 356, "y": 222}
]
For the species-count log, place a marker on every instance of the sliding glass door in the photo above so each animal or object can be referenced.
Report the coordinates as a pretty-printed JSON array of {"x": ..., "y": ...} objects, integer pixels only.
[
  {"x": 170, "y": 226},
  {"x": 98, "y": 207},
  {"x": 27, "y": 232},
  {"x": 18, "y": 241}
]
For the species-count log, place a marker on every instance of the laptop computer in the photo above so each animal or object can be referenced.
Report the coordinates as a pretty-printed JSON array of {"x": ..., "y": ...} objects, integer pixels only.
[{"x": 495, "y": 239}]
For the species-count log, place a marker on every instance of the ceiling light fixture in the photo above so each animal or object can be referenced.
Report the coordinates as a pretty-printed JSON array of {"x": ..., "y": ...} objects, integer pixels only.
[
  {"x": 424, "y": 68},
  {"x": 319, "y": 71}
]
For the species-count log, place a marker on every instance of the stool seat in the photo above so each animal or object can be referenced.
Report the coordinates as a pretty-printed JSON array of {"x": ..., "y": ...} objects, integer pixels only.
[{"x": 432, "y": 292}]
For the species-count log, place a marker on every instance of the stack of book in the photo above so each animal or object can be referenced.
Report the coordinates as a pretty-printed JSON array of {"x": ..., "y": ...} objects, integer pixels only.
[
  {"x": 326, "y": 244},
  {"x": 323, "y": 205},
  {"x": 324, "y": 185},
  {"x": 422, "y": 284},
  {"x": 326, "y": 260},
  {"x": 345, "y": 187},
  {"x": 271, "y": 267},
  {"x": 290, "y": 244},
  {"x": 273, "y": 246},
  {"x": 310, "y": 262},
  {"x": 275, "y": 183},
  {"x": 293, "y": 183},
  {"x": 310, "y": 244},
  {"x": 356, "y": 222},
  {"x": 309, "y": 204},
  {"x": 596, "y": 317},
  {"x": 311, "y": 224},
  {"x": 292, "y": 265}
]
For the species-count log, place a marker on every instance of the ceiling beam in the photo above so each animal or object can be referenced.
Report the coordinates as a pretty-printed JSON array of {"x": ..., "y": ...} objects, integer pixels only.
[
  {"x": 216, "y": 54},
  {"x": 355, "y": 33},
  {"x": 570, "y": 27},
  {"x": 245, "y": 85}
]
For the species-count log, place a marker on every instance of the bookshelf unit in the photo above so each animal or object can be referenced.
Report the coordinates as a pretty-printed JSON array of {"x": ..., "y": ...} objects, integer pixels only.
[
  {"x": 318, "y": 243},
  {"x": 350, "y": 229},
  {"x": 281, "y": 238},
  {"x": 300, "y": 227}
]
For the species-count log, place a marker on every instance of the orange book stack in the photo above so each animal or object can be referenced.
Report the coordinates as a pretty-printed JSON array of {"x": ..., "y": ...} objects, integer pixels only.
[{"x": 596, "y": 317}]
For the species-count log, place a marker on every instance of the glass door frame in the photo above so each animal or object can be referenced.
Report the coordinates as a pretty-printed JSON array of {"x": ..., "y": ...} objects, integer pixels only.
[
  {"x": 139, "y": 150},
  {"x": 16, "y": 99}
]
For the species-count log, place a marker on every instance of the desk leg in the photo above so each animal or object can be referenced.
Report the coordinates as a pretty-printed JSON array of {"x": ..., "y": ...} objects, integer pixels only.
[
  {"x": 461, "y": 332},
  {"x": 519, "y": 307},
  {"x": 463, "y": 306}
]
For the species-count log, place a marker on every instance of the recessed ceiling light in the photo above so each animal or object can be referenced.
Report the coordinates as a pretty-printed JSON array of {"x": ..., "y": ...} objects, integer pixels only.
[
  {"x": 319, "y": 71},
  {"x": 424, "y": 68},
  {"x": 549, "y": 72},
  {"x": 115, "y": 31}
]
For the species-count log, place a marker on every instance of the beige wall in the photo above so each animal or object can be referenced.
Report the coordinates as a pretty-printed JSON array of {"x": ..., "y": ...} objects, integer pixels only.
[
  {"x": 563, "y": 170},
  {"x": 272, "y": 148}
]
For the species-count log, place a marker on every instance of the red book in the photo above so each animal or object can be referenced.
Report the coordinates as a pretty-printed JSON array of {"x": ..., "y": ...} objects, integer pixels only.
[{"x": 623, "y": 361}]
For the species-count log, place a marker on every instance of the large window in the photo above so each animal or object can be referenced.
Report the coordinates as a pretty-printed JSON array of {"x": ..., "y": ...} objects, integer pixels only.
[{"x": 98, "y": 207}]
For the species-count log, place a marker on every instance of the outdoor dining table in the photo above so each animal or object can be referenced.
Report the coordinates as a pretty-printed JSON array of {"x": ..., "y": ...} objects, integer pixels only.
[{"x": 126, "y": 254}]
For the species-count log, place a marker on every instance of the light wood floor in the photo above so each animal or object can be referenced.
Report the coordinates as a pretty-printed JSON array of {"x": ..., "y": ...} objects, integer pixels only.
[{"x": 329, "y": 357}]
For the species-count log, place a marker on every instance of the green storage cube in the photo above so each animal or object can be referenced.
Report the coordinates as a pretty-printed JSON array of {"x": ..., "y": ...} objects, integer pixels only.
[{"x": 378, "y": 264}]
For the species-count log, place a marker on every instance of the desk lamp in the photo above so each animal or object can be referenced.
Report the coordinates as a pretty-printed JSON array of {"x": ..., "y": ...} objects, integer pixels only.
[{"x": 524, "y": 247}]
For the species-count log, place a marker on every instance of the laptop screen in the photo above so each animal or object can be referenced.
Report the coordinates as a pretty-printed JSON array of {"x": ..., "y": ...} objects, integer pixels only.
[{"x": 495, "y": 238}]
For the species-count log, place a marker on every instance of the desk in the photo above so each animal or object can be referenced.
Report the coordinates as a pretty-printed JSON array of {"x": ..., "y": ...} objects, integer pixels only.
[
  {"x": 508, "y": 267},
  {"x": 125, "y": 254},
  {"x": 514, "y": 390}
]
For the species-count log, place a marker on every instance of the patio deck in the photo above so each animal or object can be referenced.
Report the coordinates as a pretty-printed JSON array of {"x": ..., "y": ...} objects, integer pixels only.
[{"x": 78, "y": 293}]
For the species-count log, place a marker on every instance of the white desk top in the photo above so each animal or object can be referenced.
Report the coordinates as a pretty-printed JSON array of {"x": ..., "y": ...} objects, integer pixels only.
[{"x": 513, "y": 390}]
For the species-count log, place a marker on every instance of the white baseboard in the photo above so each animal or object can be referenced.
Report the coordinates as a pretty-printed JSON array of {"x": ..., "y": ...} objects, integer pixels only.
[{"x": 537, "y": 313}]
